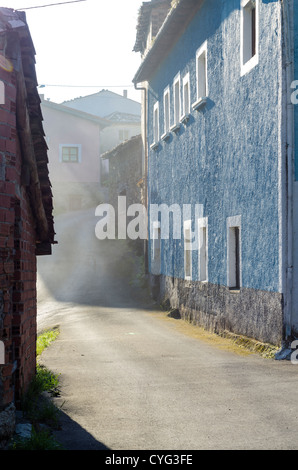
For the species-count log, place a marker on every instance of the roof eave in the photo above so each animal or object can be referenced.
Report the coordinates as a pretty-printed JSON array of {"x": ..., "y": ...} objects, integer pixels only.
[
  {"x": 175, "y": 23},
  {"x": 29, "y": 122},
  {"x": 75, "y": 112}
]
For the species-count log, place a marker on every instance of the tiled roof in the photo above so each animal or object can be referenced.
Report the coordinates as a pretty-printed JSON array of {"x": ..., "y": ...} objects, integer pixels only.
[
  {"x": 123, "y": 117},
  {"x": 123, "y": 146},
  {"x": 143, "y": 22},
  {"x": 179, "y": 16},
  {"x": 14, "y": 26}
]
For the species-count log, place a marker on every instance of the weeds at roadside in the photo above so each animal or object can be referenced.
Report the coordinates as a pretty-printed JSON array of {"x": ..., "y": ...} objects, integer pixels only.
[
  {"x": 36, "y": 405},
  {"x": 45, "y": 339},
  {"x": 39, "y": 440}
]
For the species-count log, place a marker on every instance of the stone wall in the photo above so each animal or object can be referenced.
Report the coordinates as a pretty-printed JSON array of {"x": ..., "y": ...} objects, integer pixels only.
[
  {"x": 125, "y": 177},
  {"x": 125, "y": 171},
  {"x": 255, "y": 314}
]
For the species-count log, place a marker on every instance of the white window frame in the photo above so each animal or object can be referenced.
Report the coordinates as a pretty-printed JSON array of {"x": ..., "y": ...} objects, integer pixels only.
[
  {"x": 187, "y": 249},
  {"x": 245, "y": 36},
  {"x": 123, "y": 135},
  {"x": 2, "y": 353},
  {"x": 166, "y": 113},
  {"x": 176, "y": 102},
  {"x": 203, "y": 249},
  {"x": 202, "y": 91},
  {"x": 185, "y": 109},
  {"x": 156, "y": 248},
  {"x": 233, "y": 222},
  {"x": 78, "y": 146},
  {"x": 154, "y": 145}
]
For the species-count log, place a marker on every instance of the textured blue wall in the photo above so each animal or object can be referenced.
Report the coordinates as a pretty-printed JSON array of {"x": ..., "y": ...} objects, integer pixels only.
[{"x": 226, "y": 157}]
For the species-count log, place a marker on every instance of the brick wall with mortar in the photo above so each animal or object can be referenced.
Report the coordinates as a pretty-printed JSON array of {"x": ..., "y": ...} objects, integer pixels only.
[{"x": 17, "y": 258}]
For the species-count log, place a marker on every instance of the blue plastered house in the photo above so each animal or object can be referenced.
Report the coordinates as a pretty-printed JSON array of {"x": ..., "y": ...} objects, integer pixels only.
[{"x": 220, "y": 152}]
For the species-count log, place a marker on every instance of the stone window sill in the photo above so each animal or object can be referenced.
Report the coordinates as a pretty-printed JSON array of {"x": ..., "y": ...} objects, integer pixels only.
[
  {"x": 199, "y": 103},
  {"x": 165, "y": 136},
  {"x": 154, "y": 146},
  {"x": 175, "y": 127}
]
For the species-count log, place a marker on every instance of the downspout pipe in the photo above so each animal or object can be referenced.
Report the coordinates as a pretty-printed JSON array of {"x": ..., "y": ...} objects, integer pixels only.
[
  {"x": 289, "y": 149},
  {"x": 290, "y": 167}
]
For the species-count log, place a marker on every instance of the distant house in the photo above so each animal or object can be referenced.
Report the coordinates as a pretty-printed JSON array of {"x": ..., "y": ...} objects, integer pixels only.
[
  {"x": 73, "y": 139},
  {"x": 77, "y": 133},
  {"x": 105, "y": 103},
  {"x": 123, "y": 114},
  {"x": 220, "y": 132},
  {"x": 26, "y": 221},
  {"x": 122, "y": 127}
]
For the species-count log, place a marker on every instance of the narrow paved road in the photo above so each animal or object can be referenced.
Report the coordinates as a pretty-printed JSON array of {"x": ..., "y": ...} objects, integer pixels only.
[{"x": 133, "y": 379}]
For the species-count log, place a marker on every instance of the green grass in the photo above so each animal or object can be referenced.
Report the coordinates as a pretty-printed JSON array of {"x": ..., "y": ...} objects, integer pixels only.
[
  {"x": 39, "y": 440},
  {"x": 37, "y": 406},
  {"x": 45, "y": 339},
  {"x": 44, "y": 381}
]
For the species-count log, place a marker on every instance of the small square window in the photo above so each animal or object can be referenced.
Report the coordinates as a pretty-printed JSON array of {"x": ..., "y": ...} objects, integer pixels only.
[
  {"x": 70, "y": 153},
  {"x": 123, "y": 135}
]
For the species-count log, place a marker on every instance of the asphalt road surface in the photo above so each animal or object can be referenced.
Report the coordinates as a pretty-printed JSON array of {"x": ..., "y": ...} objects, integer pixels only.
[{"x": 133, "y": 379}]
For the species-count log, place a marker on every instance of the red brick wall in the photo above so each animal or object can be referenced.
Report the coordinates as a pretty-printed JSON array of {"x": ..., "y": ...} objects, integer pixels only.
[{"x": 17, "y": 259}]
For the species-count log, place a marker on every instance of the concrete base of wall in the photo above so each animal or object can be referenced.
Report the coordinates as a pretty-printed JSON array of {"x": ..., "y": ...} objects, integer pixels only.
[{"x": 254, "y": 314}]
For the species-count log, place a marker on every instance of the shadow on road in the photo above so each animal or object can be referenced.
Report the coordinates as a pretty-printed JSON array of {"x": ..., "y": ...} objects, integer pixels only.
[{"x": 73, "y": 437}]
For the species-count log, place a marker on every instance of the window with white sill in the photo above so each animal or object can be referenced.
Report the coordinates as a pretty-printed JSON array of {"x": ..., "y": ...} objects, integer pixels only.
[
  {"x": 177, "y": 102},
  {"x": 249, "y": 31},
  {"x": 166, "y": 112},
  {"x": 187, "y": 250},
  {"x": 203, "y": 248},
  {"x": 186, "y": 98},
  {"x": 201, "y": 76},
  {"x": 156, "y": 248},
  {"x": 234, "y": 268},
  {"x": 155, "y": 125}
]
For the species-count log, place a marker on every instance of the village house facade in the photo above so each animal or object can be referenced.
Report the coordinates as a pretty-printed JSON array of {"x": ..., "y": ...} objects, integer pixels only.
[
  {"x": 26, "y": 221},
  {"x": 219, "y": 129},
  {"x": 78, "y": 132},
  {"x": 122, "y": 113},
  {"x": 73, "y": 139}
]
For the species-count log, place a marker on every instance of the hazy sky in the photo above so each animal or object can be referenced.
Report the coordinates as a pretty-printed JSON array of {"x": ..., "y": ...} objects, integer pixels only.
[{"x": 87, "y": 43}]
